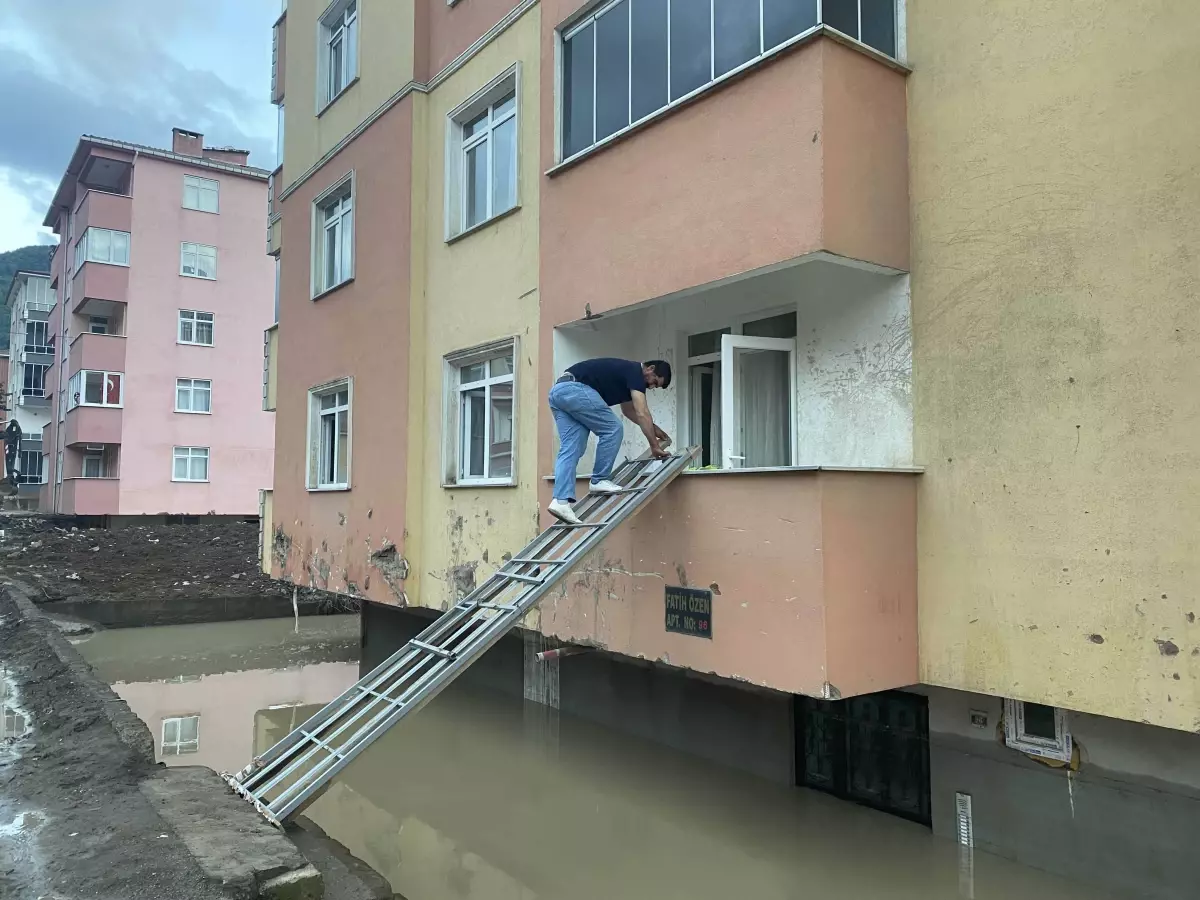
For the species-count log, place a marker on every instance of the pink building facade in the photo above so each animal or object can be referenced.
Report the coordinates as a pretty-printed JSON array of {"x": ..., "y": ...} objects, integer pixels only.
[{"x": 163, "y": 294}]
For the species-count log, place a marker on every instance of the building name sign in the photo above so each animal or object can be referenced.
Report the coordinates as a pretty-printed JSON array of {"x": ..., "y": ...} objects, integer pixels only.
[{"x": 689, "y": 611}]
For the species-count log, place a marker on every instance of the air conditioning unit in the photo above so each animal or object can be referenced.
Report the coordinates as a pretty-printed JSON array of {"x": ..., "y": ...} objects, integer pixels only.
[{"x": 94, "y": 447}]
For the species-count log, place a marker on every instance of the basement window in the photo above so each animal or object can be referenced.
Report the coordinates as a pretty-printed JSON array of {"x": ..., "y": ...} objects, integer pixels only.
[
  {"x": 180, "y": 734},
  {"x": 480, "y": 421},
  {"x": 1037, "y": 730}
]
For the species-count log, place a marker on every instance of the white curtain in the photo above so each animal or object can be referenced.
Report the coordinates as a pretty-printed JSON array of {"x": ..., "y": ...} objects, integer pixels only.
[{"x": 763, "y": 408}]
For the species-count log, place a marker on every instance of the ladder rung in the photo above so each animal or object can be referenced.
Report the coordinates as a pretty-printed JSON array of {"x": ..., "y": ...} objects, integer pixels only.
[
  {"x": 580, "y": 525},
  {"x": 430, "y": 648},
  {"x": 635, "y": 490},
  {"x": 320, "y": 743},
  {"x": 538, "y": 562},
  {"x": 528, "y": 579},
  {"x": 500, "y": 606}
]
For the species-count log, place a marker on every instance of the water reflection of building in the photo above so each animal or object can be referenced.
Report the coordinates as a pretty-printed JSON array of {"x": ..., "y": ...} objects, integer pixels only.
[{"x": 201, "y": 689}]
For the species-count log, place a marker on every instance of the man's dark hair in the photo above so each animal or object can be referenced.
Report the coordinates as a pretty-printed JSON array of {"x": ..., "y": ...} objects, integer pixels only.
[{"x": 662, "y": 369}]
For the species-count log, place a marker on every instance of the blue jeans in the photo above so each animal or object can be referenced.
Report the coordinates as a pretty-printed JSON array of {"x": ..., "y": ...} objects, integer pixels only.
[{"x": 578, "y": 411}]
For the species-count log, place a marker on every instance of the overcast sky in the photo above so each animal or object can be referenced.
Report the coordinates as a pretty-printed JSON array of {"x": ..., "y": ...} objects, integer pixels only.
[{"x": 125, "y": 69}]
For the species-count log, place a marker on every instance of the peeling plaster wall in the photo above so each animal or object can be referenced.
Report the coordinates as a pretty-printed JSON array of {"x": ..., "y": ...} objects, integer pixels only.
[
  {"x": 1056, "y": 324},
  {"x": 853, "y": 358}
]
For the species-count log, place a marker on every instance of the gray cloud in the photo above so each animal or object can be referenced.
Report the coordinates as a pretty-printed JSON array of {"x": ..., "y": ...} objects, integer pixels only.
[{"x": 124, "y": 69}]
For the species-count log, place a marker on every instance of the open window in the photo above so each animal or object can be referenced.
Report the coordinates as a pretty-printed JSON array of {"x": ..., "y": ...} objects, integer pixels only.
[{"x": 742, "y": 393}]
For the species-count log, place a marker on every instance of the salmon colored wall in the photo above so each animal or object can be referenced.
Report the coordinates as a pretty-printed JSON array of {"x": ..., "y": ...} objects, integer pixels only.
[
  {"x": 93, "y": 425},
  {"x": 103, "y": 210},
  {"x": 359, "y": 330},
  {"x": 97, "y": 281},
  {"x": 444, "y": 31},
  {"x": 813, "y": 576},
  {"x": 98, "y": 352},
  {"x": 866, "y": 158}
]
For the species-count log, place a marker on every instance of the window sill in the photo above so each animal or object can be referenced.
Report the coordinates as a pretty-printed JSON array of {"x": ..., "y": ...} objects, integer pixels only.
[
  {"x": 207, "y": 212},
  {"x": 192, "y": 344},
  {"x": 190, "y": 481},
  {"x": 484, "y": 224},
  {"x": 768, "y": 470},
  {"x": 336, "y": 287},
  {"x": 805, "y": 38},
  {"x": 197, "y": 277},
  {"x": 328, "y": 489},
  {"x": 336, "y": 97},
  {"x": 458, "y": 485},
  {"x": 194, "y": 412}
]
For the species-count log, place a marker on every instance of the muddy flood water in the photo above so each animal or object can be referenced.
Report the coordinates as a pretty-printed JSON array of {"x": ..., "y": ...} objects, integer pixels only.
[{"x": 482, "y": 797}]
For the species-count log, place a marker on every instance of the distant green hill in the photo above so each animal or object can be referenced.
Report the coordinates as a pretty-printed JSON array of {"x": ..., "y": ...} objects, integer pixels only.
[{"x": 23, "y": 259}]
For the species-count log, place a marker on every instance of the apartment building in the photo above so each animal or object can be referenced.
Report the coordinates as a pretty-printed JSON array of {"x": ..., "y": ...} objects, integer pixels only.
[
  {"x": 31, "y": 356},
  {"x": 927, "y": 293},
  {"x": 155, "y": 389}
]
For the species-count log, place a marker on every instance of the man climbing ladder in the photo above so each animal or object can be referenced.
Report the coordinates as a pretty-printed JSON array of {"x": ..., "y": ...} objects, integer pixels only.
[{"x": 580, "y": 402}]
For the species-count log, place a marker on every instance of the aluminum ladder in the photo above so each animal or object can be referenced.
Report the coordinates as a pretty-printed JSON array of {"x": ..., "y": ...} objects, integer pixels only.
[{"x": 292, "y": 774}]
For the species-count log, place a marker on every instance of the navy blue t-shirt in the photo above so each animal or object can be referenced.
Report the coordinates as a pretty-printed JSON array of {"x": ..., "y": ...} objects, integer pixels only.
[{"x": 613, "y": 379}]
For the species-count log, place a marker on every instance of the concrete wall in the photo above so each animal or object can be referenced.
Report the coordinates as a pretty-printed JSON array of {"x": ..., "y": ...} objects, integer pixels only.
[
  {"x": 477, "y": 289},
  {"x": 239, "y": 433},
  {"x": 385, "y": 65},
  {"x": 1126, "y": 821},
  {"x": 1056, "y": 202}
]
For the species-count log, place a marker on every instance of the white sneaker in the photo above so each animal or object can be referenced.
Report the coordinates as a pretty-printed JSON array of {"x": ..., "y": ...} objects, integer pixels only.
[
  {"x": 562, "y": 511},
  {"x": 606, "y": 487}
]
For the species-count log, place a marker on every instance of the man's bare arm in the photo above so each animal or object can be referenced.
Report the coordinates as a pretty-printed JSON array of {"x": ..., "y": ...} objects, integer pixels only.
[{"x": 637, "y": 410}]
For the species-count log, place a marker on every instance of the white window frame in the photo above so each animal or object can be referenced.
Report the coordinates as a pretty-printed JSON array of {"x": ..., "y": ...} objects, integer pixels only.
[
  {"x": 730, "y": 344},
  {"x": 456, "y": 433},
  {"x": 44, "y": 346},
  {"x": 102, "y": 321},
  {"x": 577, "y": 24},
  {"x": 1015, "y": 736},
  {"x": 178, "y": 747},
  {"x": 341, "y": 22},
  {"x": 77, "y": 387},
  {"x": 192, "y": 387},
  {"x": 24, "y": 476},
  {"x": 96, "y": 456},
  {"x": 315, "y": 415},
  {"x": 484, "y": 101},
  {"x": 341, "y": 195},
  {"x": 193, "y": 316},
  {"x": 207, "y": 192},
  {"x": 191, "y": 454},
  {"x": 88, "y": 242},
  {"x": 196, "y": 251}
]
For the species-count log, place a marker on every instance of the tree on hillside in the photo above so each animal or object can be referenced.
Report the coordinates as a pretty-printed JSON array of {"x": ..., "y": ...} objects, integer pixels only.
[{"x": 24, "y": 259}]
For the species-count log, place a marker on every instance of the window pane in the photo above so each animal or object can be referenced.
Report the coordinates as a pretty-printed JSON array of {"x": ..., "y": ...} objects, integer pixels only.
[
  {"x": 879, "y": 25},
  {"x": 842, "y": 15},
  {"x": 328, "y": 401},
  {"x": 181, "y": 468},
  {"x": 735, "y": 33},
  {"x": 189, "y": 729},
  {"x": 504, "y": 106},
  {"x": 191, "y": 195},
  {"x": 471, "y": 374},
  {"x": 328, "y": 428},
  {"x": 781, "y": 326},
  {"x": 183, "y": 395},
  {"x": 93, "y": 387},
  {"x": 343, "y": 398},
  {"x": 705, "y": 342},
  {"x": 477, "y": 184},
  {"x": 500, "y": 443},
  {"x": 346, "y": 260},
  {"x": 474, "y": 418},
  {"x": 171, "y": 731},
  {"x": 475, "y": 126},
  {"x": 335, "y": 67},
  {"x": 1039, "y": 721},
  {"x": 343, "y": 446},
  {"x": 100, "y": 245},
  {"x": 612, "y": 70},
  {"x": 504, "y": 167},
  {"x": 206, "y": 262},
  {"x": 691, "y": 51},
  {"x": 202, "y": 397},
  {"x": 783, "y": 19},
  {"x": 120, "y": 248},
  {"x": 351, "y": 51},
  {"x": 112, "y": 389},
  {"x": 578, "y": 54},
  {"x": 762, "y": 407},
  {"x": 649, "y": 63},
  {"x": 199, "y": 465},
  {"x": 331, "y": 255},
  {"x": 501, "y": 365},
  {"x": 204, "y": 333},
  {"x": 186, "y": 331}
]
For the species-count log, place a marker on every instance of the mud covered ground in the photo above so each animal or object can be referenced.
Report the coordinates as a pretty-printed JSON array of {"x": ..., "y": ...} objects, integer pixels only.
[{"x": 187, "y": 561}]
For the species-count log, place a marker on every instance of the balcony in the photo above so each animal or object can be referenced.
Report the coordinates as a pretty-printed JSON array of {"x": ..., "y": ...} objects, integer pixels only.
[
  {"x": 811, "y": 577},
  {"x": 34, "y": 398},
  {"x": 100, "y": 209},
  {"x": 802, "y": 152},
  {"x": 99, "y": 283},
  {"x": 97, "y": 352},
  {"x": 92, "y": 425},
  {"x": 90, "y": 496},
  {"x": 278, "y": 58},
  {"x": 35, "y": 355}
]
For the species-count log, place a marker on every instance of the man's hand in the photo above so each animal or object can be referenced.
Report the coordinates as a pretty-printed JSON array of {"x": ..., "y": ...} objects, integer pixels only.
[
  {"x": 659, "y": 453},
  {"x": 664, "y": 439}
]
